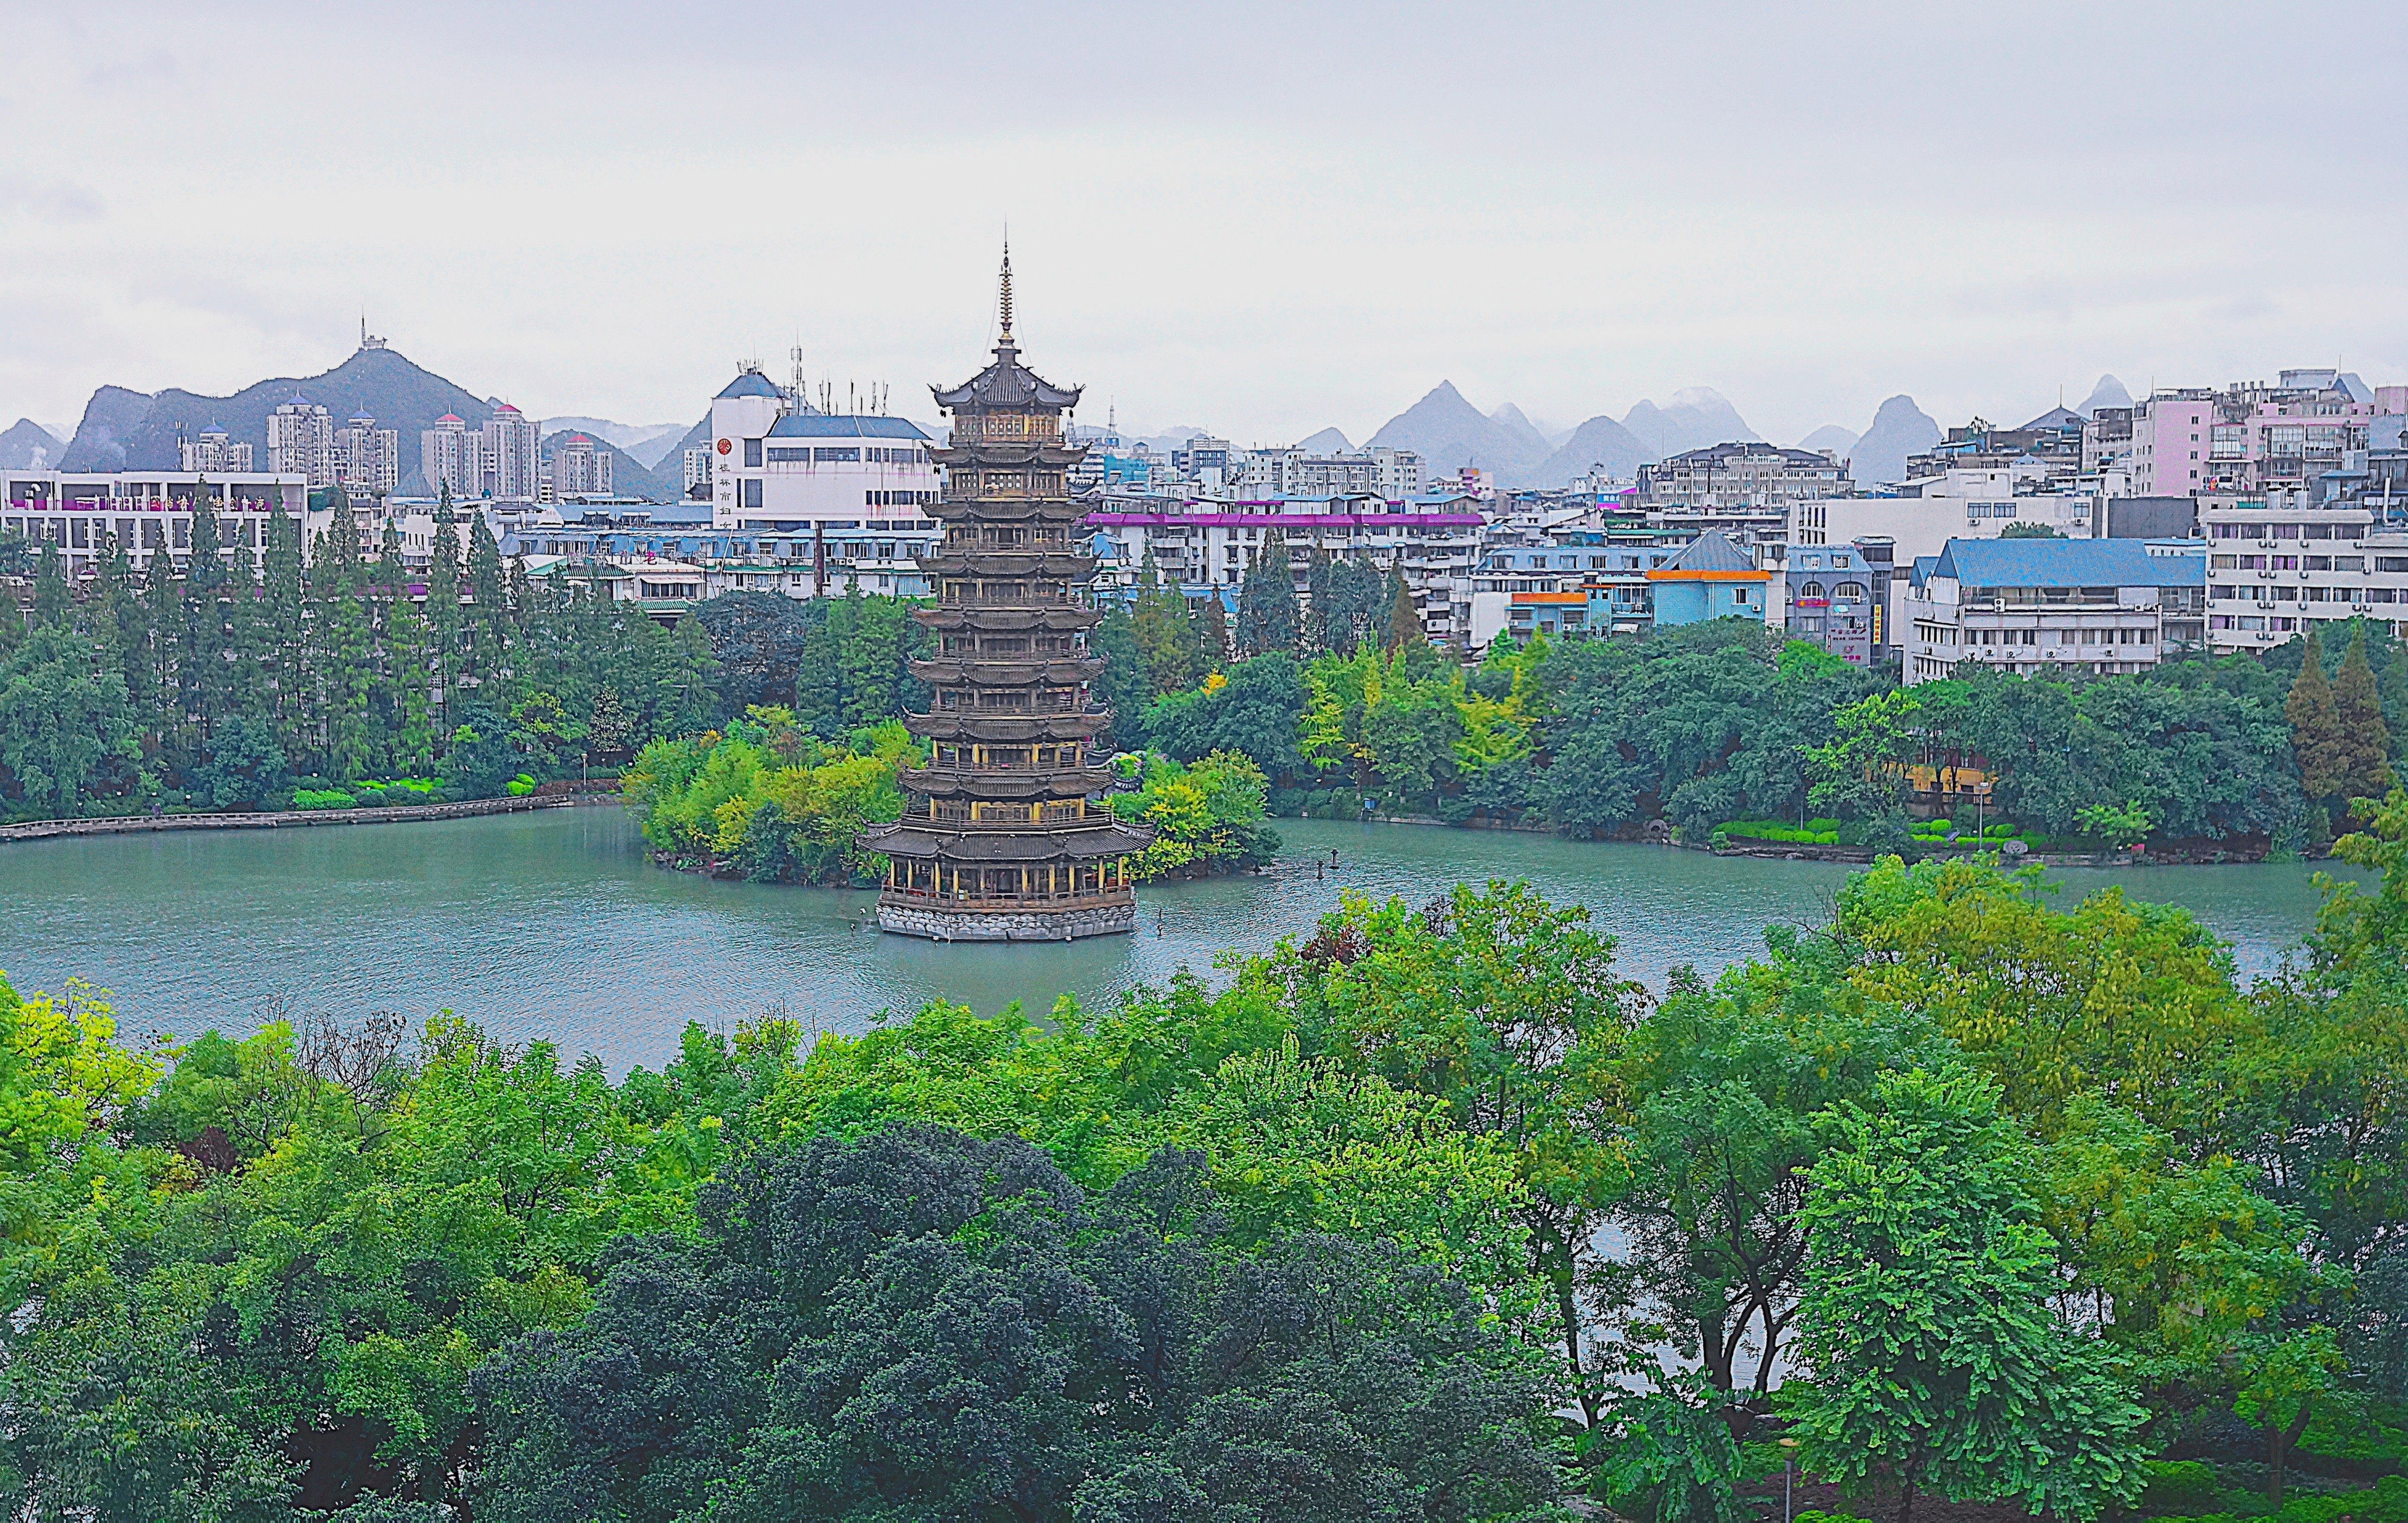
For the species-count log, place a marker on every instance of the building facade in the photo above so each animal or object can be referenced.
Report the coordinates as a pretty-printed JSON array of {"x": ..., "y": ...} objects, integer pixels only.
[
  {"x": 2030, "y": 606},
  {"x": 1004, "y": 835},
  {"x": 451, "y": 459},
  {"x": 1710, "y": 579},
  {"x": 144, "y": 513},
  {"x": 301, "y": 441},
  {"x": 1204, "y": 546},
  {"x": 214, "y": 451},
  {"x": 579, "y": 469},
  {"x": 368, "y": 459},
  {"x": 2281, "y": 562},
  {"x": 512, "y": 455}
]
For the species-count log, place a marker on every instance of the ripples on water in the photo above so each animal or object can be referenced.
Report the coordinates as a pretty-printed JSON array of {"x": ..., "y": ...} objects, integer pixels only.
[{"x": 554, "y": 924}]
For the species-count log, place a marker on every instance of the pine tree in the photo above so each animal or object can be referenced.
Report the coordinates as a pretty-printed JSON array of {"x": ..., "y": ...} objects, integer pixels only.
[
  {"x": 1158, "y": 624},
  {"x": 2316, "y": 728},
  {"x": 1404, "y": 620},
  {"x": 340, "y": 650},
  {"x": 2395, "y": 704},
  {"x": 53, "y": 609},
  {"x": 1211, "y": 626},
  {"x": 2365, "y": 740},
  {"x": 1267, "y": 614},
  {"x": 1321, "y": 614},
  {"x": 209, "y": 648},
  {"x": 281, "y": 634},
  {"x": 488, "y": 617},
  {"x": 411, "y": 746},
  {"x": 443, "y": 615},
  {"x": 162, "y": 622}
]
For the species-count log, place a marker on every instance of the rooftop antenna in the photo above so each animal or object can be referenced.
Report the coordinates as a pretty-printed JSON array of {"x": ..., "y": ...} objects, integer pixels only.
[{"x": 802, "y": 397}]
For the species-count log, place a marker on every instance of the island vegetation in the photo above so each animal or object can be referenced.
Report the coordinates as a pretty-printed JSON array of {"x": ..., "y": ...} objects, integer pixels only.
[{"x": 1964, "y": 1195}]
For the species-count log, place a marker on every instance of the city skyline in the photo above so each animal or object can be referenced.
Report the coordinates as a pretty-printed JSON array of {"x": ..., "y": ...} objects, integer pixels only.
[{"x": 1572, "y": 213}]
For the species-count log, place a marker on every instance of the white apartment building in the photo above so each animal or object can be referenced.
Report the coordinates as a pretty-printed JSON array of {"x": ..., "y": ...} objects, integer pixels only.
[
  {"x": 1749, "y": 477},
  {"x": 1203, "y": 545},
  {"x": 368, "y": 459},
  {"x": 1262, "y": 474},
  {"x": 214, "y": 451},
  {"x": 301, "y": 441},
  {"x": 2031, "y": 606},
  {"x": 512, "y": 455},
  {"x": 2277, "y": 567},
  {"x": 778, "y": 467},
  {"x": 697, "y": 469},
  {"x": 450, "y": 456},
  {"x": 146, "y": 512},
  {"x": 579, "y": 469}
]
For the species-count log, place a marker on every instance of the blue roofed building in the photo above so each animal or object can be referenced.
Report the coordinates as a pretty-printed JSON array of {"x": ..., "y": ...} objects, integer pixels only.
[
  {"x": 1711, "y": 579},
  {"x": 2099, "y": 606}
]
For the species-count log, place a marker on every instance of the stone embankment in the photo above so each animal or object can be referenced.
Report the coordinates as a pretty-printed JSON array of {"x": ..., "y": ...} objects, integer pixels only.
[{"x": 294, "y": 818}]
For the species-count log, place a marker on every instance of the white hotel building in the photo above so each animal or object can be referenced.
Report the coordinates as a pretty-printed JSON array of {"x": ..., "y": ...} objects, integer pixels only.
[
  {"x": 806, "y": 484},
  {"x": 145, "y": 511},
  {"x": 2276, "y": 567}
]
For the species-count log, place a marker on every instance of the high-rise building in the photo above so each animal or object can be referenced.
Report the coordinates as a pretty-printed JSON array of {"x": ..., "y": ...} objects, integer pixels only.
[
  {"x": 698, "y": 471},
  {"x": 513, "y": 455},
  {"x": 449, "y": 456},
  {"x": 579, "y": 469},
  {"x": 1004, "y": 835},
  {"x": 301, "y": 441},
  {"x": 368, "y": 459},
  {"x": 214, "y": 451}
]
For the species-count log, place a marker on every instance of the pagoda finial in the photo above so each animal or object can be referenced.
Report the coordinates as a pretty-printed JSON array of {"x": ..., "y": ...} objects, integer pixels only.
[{"x": 1007, "y": 286}]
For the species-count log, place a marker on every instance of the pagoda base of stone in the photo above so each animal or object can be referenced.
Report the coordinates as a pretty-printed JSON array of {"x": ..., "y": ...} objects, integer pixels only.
[{"x": 938, "y": 921}]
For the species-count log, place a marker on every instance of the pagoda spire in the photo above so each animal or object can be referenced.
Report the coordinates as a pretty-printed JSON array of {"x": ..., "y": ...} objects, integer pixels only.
[{"x": 1006, "y": 342}]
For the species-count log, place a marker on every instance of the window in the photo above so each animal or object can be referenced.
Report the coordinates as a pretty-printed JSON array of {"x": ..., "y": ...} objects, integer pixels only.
[
  {"x": 752, "y": 452},
  {"x": 752, "y": 491},
  {"x": 790, "y": 457},
  {"x": 848, "y": 453},
  {"x": 1849, "y": 589},
  {"x": 1811, "y": 589}
]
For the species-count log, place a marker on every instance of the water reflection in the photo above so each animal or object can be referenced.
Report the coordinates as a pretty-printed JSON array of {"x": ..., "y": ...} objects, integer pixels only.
[{"x": 555, "y": 925}]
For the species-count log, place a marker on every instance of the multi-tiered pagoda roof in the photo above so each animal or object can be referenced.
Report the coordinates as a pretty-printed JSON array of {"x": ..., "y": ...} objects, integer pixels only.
[{"x": 1005, "y": 834}]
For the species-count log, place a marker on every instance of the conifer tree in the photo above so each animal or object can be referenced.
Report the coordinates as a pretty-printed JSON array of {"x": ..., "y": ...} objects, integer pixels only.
[
  {"x": 338, "y": 632},
  {"x": 1266, "y": 613},
  {"x": 2365, "y": 740},
  {"x": 114, "y": 618},
  {"x": 53, "y": 609},
  {"x": 208, "y": 649},
  {"x": 1321, "y": 611},
  {"x": 280, "y": 634},
  {"x": 1404, "y": 620},
  {"x": 1158, "y": 625},
  {"x": 1211, "y": 626},
  {"x": 162, "y": 618},
  {"x": 2395, "y": 704},
  {"x": 443, "y": 615},
  {"x": 488, "y": 617},
  {"x": 2316, "y": 728}
]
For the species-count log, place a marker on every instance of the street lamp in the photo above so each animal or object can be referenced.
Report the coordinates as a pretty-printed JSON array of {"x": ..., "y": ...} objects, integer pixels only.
[{"x": 1788, "y": 1473}]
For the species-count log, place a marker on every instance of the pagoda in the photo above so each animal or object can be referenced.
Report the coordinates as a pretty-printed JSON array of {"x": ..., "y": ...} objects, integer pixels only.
[{"x": 1005, "y": 835}]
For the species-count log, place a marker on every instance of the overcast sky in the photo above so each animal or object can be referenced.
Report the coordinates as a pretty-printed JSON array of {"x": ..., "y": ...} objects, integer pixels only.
[{"x": 1260, "y": 219}]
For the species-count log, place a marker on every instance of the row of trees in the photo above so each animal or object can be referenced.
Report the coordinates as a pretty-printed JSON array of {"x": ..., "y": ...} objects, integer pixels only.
[
  {"x": 216, "y": 689},
  {"x": 1968, "y": 1196},
  {"x": 1720, "y": 722}
]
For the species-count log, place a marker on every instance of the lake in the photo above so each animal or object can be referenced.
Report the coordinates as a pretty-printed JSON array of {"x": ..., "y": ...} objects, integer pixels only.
[{"x": 554, "y": 924}]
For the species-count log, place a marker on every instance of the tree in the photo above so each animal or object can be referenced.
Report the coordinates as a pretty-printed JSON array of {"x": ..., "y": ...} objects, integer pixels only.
[
  {"x": 2317, "y": 737},
  {"x": 1506, "y": 1008},
  {"x": 1936, "y": 1362},
  {"x": 1253, "y": 710},
  {"x": 1404, "y": 621},
  {"x": 1731, "y": 1093},
  {"x": 1859, "y": 776},
  {"x": 2365, "y": 743},
  {"x": 62, "y": 714},
  {"x": 245, "y": 768},
  {"x": 2023, "y": 528},
  {"x": 1266, "y": 613},
  {"x": 923, "y": 1324},
  {"x": 53, "y": 607}
]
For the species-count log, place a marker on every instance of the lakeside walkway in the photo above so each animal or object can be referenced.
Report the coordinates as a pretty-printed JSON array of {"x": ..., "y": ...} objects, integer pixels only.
[{"x": 280, "y": 819}]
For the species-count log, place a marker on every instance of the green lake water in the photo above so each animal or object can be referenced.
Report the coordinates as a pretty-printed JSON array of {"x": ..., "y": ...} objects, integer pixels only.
[{"x": 555, "y": 925}]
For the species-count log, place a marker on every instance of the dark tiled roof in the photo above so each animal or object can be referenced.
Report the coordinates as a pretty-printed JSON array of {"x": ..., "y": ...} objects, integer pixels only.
[{"x": 1008, "y": 385}]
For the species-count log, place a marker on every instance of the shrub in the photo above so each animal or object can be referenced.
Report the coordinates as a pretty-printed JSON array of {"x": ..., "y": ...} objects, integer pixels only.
[
  {"x": 2178, "y": 1486},
  {"x": 322, "y": 799},
  {"x": 520, "y": 785}
]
